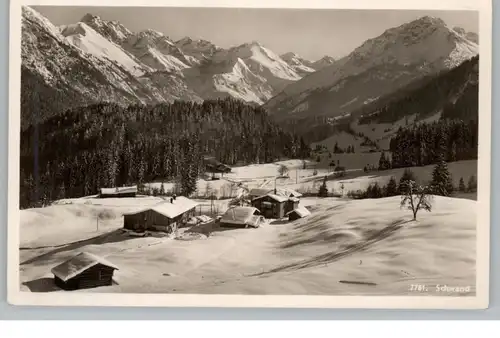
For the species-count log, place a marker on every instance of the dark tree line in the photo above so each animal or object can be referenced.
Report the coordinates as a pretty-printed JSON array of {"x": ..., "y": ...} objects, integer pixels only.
[
  {"x": 106, "y": 145},
  {"x": 423, "y": 144}
]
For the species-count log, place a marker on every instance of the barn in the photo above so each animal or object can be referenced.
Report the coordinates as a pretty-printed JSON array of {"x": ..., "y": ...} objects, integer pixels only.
[
  {"x": 241, "y": 217},
  {"x": 297, "y": 213},
  {"x": 165, "y": 216},
  {"x": 84, "y": 271},
  {"x": 118, "y": 192},
  {"x": 212, "y": 165},
  {"x": 271, "y": 205}
]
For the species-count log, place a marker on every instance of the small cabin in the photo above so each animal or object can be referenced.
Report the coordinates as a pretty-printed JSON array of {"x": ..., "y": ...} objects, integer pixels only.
[
  {"x": 297, "y": 213},
  {"x": 271, "y": 205},
  {"x": 165, "y": 216},
  {"x": 84, "y": 271},
  {"x": 213, "y": 166},
  {"x": 241, "y": 217},
  {"x": 118, "y": 192}
]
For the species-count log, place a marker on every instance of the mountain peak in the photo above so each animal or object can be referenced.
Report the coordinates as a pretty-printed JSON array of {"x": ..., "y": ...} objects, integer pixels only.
[{"x": 89, "y": 17}]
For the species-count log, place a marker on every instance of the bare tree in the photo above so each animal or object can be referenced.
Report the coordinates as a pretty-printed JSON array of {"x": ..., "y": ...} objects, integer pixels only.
[
  {"x": 283, "y": 170},
  {"x": 416, "y": 198}
]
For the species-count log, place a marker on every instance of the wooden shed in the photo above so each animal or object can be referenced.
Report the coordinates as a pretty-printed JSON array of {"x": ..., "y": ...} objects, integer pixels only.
[
  {"x": 297, "y": 213},
  {"x": 118, "y": 192},
  {"x": 271, "y": 205},
  {"x": 241, "y": 217},
  {"x": 84, "y": 271},
  {"x": 165, "y": 216}
]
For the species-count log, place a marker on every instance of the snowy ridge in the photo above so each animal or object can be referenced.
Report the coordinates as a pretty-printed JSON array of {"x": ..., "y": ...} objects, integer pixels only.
[
  {"x": 300, "y": 65},
  {"x": 87, "y": 39},
  {"x": 422, "y": 46}
]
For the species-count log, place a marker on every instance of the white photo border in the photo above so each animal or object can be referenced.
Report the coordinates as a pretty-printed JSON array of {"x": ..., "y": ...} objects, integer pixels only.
[{"x": 479, "y": 301}]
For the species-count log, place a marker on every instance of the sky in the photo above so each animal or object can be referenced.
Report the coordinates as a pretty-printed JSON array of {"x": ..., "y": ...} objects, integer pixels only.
[{"x": 311, "y": 33}]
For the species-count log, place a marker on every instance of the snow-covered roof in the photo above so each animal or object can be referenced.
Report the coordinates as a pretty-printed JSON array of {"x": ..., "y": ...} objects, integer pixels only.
[
  {"x": 119, "y": 190},
  {"x": 289, "y": 192},
  {"x": 178, "y": 206},
  {"x": 280, "y": 191},
  {"x": 301, "y": 211},
  {"x": 239, "y": 215},
  {"x": 76, "y": 265},
  {"x": 277, "y": 198},
  {"x": 260, "y": 191}
]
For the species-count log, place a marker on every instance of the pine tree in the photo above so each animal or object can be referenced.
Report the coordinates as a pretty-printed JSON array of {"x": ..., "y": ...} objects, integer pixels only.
[
  {"x": 323, "y": 189},
  {"x": 408, "y": 175},
  {"x": 441, "y": 183},
  {"x": 472, "y": 184},
  {"x": 383, "y": 163},
  {"x": 391, "y": 189},
  {"x": 461, "y": 185},
  {"x": 162, "y": 189}
]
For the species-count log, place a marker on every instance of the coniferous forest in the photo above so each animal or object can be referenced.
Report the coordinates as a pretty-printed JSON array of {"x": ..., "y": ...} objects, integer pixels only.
[
  {"x": 106, "y": 145},
  {"x": 423, "y": 144}
]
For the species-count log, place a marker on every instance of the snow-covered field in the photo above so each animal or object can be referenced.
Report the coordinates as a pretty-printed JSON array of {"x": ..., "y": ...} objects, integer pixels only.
[{"x": 372, "y": 243}]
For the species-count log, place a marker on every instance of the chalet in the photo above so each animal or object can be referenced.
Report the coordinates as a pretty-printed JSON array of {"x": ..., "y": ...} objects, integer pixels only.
[
  {"x": 84, "y": 271},
  {"x": 292, "y": 196},
  {"x": 165, "y": 216},
  {"x": 241, "y": 217},
  {"x": 212, "y": 165},
  {"x": 297, "y": 213},
  {"x": 271, "y": 205},
  {"x": 118, "y": 192}
]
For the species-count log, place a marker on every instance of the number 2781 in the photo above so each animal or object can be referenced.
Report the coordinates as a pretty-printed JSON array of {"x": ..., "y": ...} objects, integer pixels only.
[{"x": 418, "y": 287}]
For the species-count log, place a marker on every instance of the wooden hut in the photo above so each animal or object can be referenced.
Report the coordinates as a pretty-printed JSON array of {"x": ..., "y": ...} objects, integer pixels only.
[
  {"x": 165, "y": 216},
  {"x": 118, "y": 192},
  {"x": 241, "y": 217},
  {"x": 213, "y": 166},
  {"x": 297, "y": 213},
  {"x": 84, "y": 271},
  {"x": 270, "y": 205}
]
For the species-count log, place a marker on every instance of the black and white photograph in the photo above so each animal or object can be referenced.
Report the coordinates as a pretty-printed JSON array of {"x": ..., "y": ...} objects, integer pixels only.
[{"x": 209, "y": 151}]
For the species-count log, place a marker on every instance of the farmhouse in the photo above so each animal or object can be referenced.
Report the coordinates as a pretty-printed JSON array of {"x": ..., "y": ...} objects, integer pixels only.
[
  {"x": 297, "y": 213},
  {"x": 165, "y": 216},
  {"x": 212, "y": 165},
  {"x": 118, "y": 192},
  {"x": 241, "y": 217},
  {"x": 271, "y": 205},
  {"x": 83, "y": 271}
]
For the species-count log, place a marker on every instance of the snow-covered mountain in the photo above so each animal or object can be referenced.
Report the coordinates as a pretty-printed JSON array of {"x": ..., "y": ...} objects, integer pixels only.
[
  {"x": 115, "y": 64},
  {"x": 325, "y": 61},
  {"x": 376, "y": 68},
  {"x": 75, "y": 65},
  {"x": 199, "y": 50},
  {"x": 299, "y": 64}
]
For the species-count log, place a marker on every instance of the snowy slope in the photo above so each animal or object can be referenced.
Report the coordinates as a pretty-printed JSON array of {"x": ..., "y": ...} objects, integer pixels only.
[
  {"x": 87, "y": 39},
  {"x": 422, "y": 46},
  {"x": 300, "y": 65},
  {"x": 157, "y": 51},
  {"x": 197, "y": 50},
  {"x": 111, "y": 30},
  {"x": 82, "y": 68},
  {"x": 325, "y": 61}
]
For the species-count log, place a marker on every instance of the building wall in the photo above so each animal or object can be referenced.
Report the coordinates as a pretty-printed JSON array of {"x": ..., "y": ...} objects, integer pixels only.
[
  {"x": 290, "y": 205},
  {"x": 98, "y": 275},
  {"x": 119, "y": 195},
  {"x": 152, "y": 220},
  {"x": 277, "y": 209}
]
